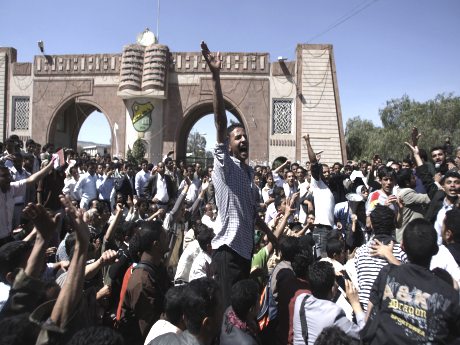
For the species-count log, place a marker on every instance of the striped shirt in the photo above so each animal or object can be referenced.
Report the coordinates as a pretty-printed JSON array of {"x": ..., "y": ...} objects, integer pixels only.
[
  {"x": 233, "y": 182},
  {"x": 368, "y": 268}
]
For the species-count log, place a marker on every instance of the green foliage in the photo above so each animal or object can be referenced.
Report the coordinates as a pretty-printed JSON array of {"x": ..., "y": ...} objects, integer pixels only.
[
  {"x": 436, "y": 119},
  {"x": 196, "y": 145},
  {"x": 137, "y": 153}
]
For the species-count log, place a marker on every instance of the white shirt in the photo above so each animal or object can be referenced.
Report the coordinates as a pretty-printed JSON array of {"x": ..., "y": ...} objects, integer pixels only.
[
  {"x": 446, "y": 261},
  {"x": 159, "y": 328},
  {"x": 86, "y": 187},
  {"x": 162, "y": 190},
  {"x": 440, "y": 219},
  {"x": 186, "y": 260},
  {"x": 206, "y": 220},
  {"x": 140, "y": 180},
  {"x": 303, "y": 190},
  {"x": 69, "y": 188},
  {"x": 7, "y": 206},
  {"x": 201, "y": 267},
  {"x": 18, "y": 176},
  {"x": 324, "y": 202}
]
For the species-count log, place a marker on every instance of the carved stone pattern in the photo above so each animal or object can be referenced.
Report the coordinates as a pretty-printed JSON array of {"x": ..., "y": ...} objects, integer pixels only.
[
  {"x": 21, "y": 113},
  {"x": 282, "y": 116}
]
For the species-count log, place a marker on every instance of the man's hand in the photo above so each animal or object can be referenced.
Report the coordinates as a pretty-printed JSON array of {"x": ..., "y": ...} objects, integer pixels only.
[
  {"x": 213, "y": 62},
  {"x": 306, "y": 137},
  {"x": 76, "y": 221},
  {"x": 44, "y": 223},
  {"x": 105, "y": 291},
  {"x": 108, "y": 257},
  {"x": 378, "y": 249},
  {"x": 205, "y": 184},
  {"x": 414, "y": 149},
  {"x": 352, "y": 293},
  {"x": 291, "y": 204},
  {"x": 272, "y": 239},
  {"x": 392, "y": 199},
  {"x": 415, "y": 135}
]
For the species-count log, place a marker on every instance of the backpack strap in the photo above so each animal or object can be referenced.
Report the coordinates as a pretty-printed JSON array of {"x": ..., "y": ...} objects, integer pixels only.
[
  {"x": 147, "y": 267},
  {"x": 303, "y": 319}
]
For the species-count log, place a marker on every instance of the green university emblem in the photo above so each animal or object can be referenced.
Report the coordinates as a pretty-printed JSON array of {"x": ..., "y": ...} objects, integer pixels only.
[{"x": 142, "y": 116}]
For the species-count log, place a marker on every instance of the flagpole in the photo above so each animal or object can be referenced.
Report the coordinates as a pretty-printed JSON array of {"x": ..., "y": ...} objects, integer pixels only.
[{"x": 158, "y": 21}]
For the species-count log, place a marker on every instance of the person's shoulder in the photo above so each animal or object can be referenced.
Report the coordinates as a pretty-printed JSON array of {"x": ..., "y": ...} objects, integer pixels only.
[{"x": 167, "y": 339}]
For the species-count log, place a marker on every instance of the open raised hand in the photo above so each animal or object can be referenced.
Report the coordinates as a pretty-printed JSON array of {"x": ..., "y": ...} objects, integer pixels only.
[
  {"x": 76, "y": 221},
  {"x": 43, "y": 221}
]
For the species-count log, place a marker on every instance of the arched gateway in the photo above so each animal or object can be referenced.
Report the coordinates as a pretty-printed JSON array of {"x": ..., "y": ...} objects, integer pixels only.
[{"x": 148, "y": 92}]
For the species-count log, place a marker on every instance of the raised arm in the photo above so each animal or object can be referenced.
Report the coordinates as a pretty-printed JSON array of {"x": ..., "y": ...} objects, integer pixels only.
[
  {"x": 45, "y": 227},
  {"x": 40, "y": 174},
  {"x": 311, "y": 154},
  {"x": 220, "y": 118},
  {"x": 71, "y": 292}
]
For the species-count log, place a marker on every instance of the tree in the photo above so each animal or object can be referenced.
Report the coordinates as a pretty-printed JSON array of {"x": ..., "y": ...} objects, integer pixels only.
[
  {"x": 436, "y": 119},
  {"x": 196, "y": 145},
  {"x": 137, "y": 153}
]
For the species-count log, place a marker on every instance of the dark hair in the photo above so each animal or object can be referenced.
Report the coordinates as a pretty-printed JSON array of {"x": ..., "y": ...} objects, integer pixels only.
[
  {"x": 205, "y": 237},
  {"x": 386, "y": 172},
  {"x": 301, "y": 263},
  {"x": 334, "y": 246},
  {"x": 423, "y": 154},
  {"x": 322, "y": 278},
  {"x": 408, "y": 161},
  {"x": 174, "y": 304},
  {"x": 200, "y": 300},
  {"x": 420, "y": 241},
  {"x": 96, "y": 335},
  {"x": 245, "y": 294},
  {"x": 69, "y": 244},
  {"x": 452, "y": 222},
  {"x": 30, "y": 142},
  {"x": 142, "y": 240},
  {"x": 450, "y": 173},
  {"x": 289, "y": 246},
  {"x": 436, "y": 148},
  {"x": 334, "y": 336},
  {"x": 18, "y": 330},
  {"x": 403, "y": 177},
  {"x": 279, "y": 200},
  {"x": 383, "y": 220},
  {"x": 232, "y": 127},
  {"x": 12, "y": 255}
]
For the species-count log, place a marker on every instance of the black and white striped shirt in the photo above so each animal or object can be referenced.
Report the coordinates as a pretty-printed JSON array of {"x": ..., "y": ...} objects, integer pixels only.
[{"x": 368, "y": 268}]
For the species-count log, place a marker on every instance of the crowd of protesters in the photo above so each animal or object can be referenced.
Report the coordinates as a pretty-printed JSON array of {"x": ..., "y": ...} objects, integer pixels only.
[{"x": 97, "y": 250}]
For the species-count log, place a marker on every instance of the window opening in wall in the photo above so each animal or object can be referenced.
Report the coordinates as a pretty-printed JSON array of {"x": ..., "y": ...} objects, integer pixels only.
[
  {"x": 21, "y": 113},
  {"x": 282, "y": 116}
]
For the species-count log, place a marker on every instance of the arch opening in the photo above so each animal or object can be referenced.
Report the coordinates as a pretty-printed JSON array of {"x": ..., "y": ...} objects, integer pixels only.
[
  {"x": 197, "y": 125},
  {"x": 79, "y": 125}
]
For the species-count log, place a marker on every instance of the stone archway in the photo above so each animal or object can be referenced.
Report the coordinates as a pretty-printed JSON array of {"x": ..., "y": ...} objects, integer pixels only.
[
  {"x": 191, "y": 117},
  {"x": 66, "y": 124}
]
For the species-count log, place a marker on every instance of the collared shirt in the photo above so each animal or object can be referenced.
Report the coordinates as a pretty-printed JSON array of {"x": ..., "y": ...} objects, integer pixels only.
[
  {"x": 440, "y": 218},
  {"x": 140, "y": 180},
  {"x": 201, "y": 267},
  {"x": 235, "y": 202},
  {"x": 86, "y": 187},
  {"x": 162, "y": 190},
  {"x": 17, "y": 188},
  {"x": 18, "y": 176},
  {"x": 186, "y": 261},
  {"x": 69, "y": 188},
  {"x": 104, "y": 186}
]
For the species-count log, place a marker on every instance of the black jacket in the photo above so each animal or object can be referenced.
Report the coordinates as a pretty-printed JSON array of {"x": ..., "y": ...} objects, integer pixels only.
[
  {"x": 436, "y": 196},
  {"x": 150, "y": 188}
]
